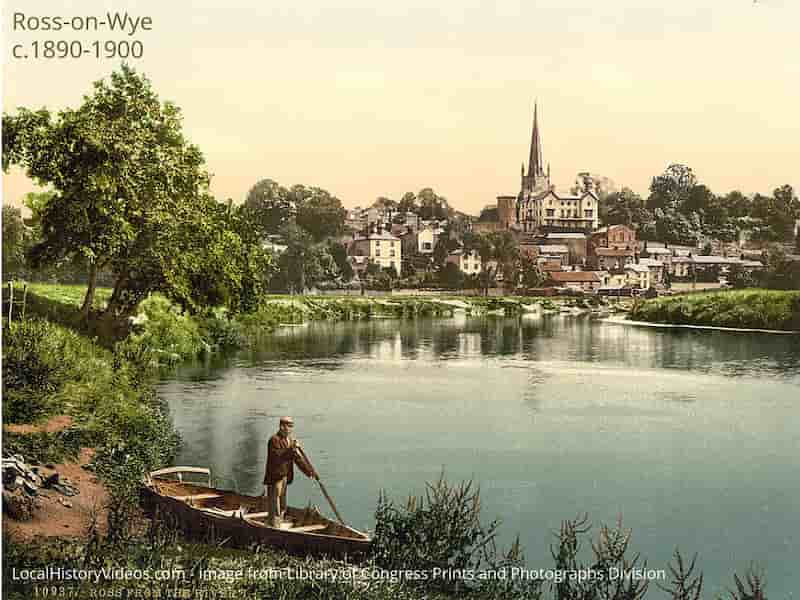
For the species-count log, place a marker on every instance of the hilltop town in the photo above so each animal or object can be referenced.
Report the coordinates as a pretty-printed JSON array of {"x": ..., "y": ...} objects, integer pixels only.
[{"x": 593, "y": 238}]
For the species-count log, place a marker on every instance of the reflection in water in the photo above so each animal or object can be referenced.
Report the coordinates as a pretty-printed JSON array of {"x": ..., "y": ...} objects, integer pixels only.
[{"x": 692, "y": 435}]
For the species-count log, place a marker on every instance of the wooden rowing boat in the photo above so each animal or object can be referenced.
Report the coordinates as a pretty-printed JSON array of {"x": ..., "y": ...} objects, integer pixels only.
[{"x": 204, "y": 512}]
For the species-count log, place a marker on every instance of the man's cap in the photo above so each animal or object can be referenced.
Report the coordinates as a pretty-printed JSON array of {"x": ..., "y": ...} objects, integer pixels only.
[{"x": 287, "y": 420}]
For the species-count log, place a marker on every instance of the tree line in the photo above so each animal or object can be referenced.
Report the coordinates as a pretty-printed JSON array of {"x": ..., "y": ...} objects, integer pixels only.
[
  {"x": 681, "y": 210},
  {"x": 128, "y": 198}
]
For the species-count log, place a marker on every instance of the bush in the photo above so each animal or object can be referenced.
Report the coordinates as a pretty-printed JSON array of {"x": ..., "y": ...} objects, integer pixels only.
[
  {"x": 33, "y": 370},
  {"x": 443, "y": 530},
  {"x": 169, "y": 332},
  {"x": 760, "y": 309}
]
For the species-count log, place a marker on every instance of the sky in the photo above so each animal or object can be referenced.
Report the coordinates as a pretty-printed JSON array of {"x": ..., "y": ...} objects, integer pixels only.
[{"x": 369, "y": 99}]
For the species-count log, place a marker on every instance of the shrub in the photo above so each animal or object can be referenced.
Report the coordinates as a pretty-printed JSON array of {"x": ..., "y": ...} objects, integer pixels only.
[
  {"x": 33, "y": 370},
  {"x": 170, "y": 333},
  {"x": 443, "y": 530}
]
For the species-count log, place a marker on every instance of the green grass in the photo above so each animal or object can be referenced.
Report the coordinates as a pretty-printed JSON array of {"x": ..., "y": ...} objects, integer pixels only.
[
  {"x": 50, "y": 370},
  {"x": 69, "y": 294},
  {"x": 751, "y": 308}
]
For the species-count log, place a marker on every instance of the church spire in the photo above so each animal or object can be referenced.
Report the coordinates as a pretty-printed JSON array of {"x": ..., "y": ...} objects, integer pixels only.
[{"x": 535, "y": 165}]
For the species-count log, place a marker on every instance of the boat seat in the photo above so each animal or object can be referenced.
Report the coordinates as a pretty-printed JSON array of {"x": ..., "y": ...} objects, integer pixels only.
[
  {"x": 221, "y": 512},
  {"x": 197, "y": 497},
  {"x": 257, "y": 515},
  {"x": 307, "y": 528}
]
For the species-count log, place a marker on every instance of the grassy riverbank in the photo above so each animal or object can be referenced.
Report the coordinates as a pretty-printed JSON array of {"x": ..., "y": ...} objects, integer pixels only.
[
  {"x": 50, "y": 369},
  {"x": 752, "y": 309},
  {"x": 171, "y": 335}
]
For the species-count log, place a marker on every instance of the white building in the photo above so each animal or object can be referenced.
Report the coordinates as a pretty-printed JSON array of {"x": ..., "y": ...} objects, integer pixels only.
[
  {"x": 382, "y": 248},
  {"x": 469, "y": 262}
]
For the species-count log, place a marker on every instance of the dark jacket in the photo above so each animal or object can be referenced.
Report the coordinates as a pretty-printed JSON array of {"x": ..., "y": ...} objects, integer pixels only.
[{"x": 281, "y": 458}]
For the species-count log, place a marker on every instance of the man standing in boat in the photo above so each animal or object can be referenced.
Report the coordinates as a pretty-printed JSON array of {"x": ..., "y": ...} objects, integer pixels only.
[{"x": 283, "y": 452}]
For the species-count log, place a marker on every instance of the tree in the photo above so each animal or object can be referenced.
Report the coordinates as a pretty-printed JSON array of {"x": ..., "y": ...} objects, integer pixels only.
[
  {"x": 385, "y": 203},
  {"x": 258, "y": 265},
  {"x": 452, "y": 277},
  {"x": 432, "y": 206},
  {"x": 739, "y": 277},
  {"x": 444, "y": 246},
  {"x": 624, "y": 208},
  {"x": 223, "y": 262},
  {"x": 780, "y": 273},
  {"x": 785, "y": 211},
  {"x": 672, "y": 188},
  {"x": 339, "y": 254},
  {"x": 303, "y": 264},
  {"x": 737, "y": 204},
  {"x": 506, "y": 252},
  {"x": 318, "y": 212},
  {"x": 497, "y": 248},
  {"x": 699, "y": 199},
  {"x": 531, "y": 276},
  {"x": 408, "y": 203},
  {"x": 16, "y": 240},
  {"x": 676, "y": 228},
  {"x": 270, "y": 205},
  {"x": 125, "y": 182}
]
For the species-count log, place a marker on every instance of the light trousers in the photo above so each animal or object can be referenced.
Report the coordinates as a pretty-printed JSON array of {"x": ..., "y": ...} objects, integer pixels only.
[{"x": 276, "y": 501}]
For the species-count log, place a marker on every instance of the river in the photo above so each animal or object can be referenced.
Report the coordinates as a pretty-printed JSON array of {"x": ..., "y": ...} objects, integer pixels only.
[{"x": 691, "y": 436}]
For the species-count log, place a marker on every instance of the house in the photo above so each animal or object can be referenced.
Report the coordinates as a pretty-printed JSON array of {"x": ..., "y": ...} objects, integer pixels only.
[
  {"x": 558, "y": 252},
  {"x": 681, "y": 266},
  {"x": 575, "y": 242},
  {"x": 421, "y": 241},
  {"x": 469, "y": 262},
  {"x": 381, "y": 248},
  {"x": 614, "y": 236},
  {"x": 426, "y": 240},
  {"x": 656, "y": 269},
  {"x": 607, "y": 259},
  {"x": 585, "y": 281},
  {"x": 638, "y": 275},
  {"x": 549, "y": 265}
]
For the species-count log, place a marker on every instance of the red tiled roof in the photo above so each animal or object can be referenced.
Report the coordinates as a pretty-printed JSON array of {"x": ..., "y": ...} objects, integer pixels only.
[{"x": 575, "y": 276}]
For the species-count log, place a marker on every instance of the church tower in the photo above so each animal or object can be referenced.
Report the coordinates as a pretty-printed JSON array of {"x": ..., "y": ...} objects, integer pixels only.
[{"x": 536, "y": 178}]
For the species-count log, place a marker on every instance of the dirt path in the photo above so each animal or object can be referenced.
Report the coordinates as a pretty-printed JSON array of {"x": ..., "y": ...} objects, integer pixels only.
[
  {"x": 55, "y": 519},
  {"x": 56, "y": 423}
]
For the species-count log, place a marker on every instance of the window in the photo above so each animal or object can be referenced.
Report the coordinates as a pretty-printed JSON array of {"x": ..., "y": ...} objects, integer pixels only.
[
  {"x": 391, "y": 252},
  {"x": 551, "y": 212},
  {"x": 588, "y": 214}
]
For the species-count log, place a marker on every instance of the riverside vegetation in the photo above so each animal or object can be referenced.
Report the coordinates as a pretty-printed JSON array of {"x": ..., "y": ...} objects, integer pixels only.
[
  {"x": 754, "y": 308},
  {"x": 50, "y": 369}
]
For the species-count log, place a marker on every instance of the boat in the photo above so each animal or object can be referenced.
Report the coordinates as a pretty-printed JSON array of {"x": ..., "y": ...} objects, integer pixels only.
[{"x": 204, "y": 512}]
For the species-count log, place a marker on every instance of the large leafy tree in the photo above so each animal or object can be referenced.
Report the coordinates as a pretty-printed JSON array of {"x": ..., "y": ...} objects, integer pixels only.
[
  {"x": 270, "y": 205},
  {"x": 432, "y": 206},
  {"x": 672, "y": 188},
  {"x": 624, "y": 208},
  {"x": 303, "y": 264},
  {"x": 408, "y": 203},
  {"x": 318, "y": 212},
  {"x": 126, "y": 183}
]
